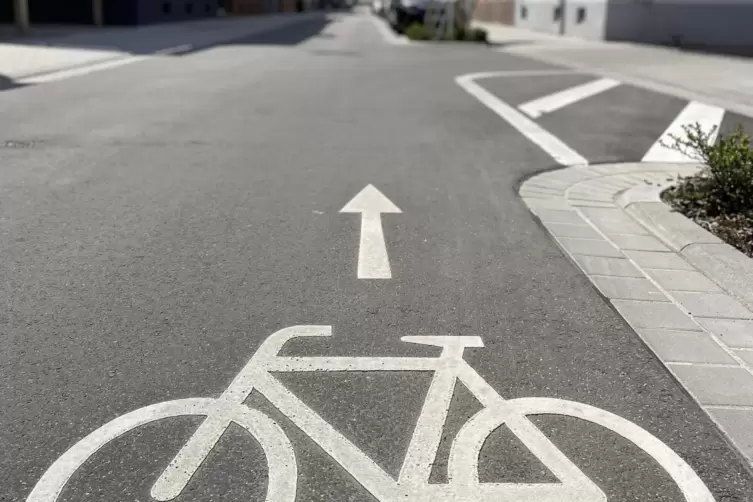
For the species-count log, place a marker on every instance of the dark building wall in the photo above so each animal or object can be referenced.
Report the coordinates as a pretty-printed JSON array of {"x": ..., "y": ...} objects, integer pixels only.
[
  {"x": 160, "y": 11},
  {"x": 120, "y": 12},
  {"x": 116, "y": 12},
  {"x": 71, "y": 11},
  {"x": 56, "y": 12},
  {"x": 6, "y": 11},
  {"x": 717, "y": 25}
]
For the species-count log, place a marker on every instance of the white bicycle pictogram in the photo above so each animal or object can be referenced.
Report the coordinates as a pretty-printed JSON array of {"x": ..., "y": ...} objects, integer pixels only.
[{"x": 412, "y": 483}]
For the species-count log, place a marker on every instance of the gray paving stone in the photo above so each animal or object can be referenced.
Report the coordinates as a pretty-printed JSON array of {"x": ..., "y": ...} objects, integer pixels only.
[
  {"x": 613, "y": 220},
  {"x": 589, "y": 247},
  {"x": 671, "y": 227},
  {"x": 571, "y": 176},
  {"x": 557, "y": 216},
  {"x": 738, "y": 424},
  {"x": 540, "y": 192},
  {"x": 628, "y": 288},
  {"x": 730, "y": 268},
  {"x": 717, "y": 385},
  {"x": 589, "y": 203},
  {"x": 638, "y": 242},
  {"x": 599, "y": 186},
  {"x": 733, "y": 332},
  {"x": 605, "y": 214},
  {"x": 590, "y": 195},
  {"x": 654, "y": 315},
  {"x": 546, "y": 183},
  {"x": 712, "y": 305},
  {"x": 661, "y": 179},
  {"x": 581, "y": 231},
  {"x": 616, "y": 184},
  {"x": 620, "y": 227},
  {"x": 685, "y": 346},
  {"x": 745, "y": 355},
  {"x": 683, "y": 280},
  {"x": 554, "y": 203},
  {"x": 599, "y": 265},
  {"x": 658, "y": 260}
]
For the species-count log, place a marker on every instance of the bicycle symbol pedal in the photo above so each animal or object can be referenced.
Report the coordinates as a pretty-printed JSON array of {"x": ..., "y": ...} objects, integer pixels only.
[{"x": 412, "y": 483}]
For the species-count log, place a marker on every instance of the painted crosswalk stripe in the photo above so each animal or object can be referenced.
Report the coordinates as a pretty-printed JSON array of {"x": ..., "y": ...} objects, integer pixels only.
[
  {"x": 561, "y": 99},
  {"x": 556, "y": 148},
  {"x": 708, "y": 117}
]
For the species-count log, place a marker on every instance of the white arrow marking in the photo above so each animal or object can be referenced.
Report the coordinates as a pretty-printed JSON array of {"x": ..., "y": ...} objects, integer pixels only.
[{"x": 373, "y": 262}]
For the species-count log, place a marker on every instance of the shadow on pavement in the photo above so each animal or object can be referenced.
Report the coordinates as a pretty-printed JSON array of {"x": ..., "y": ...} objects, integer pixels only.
[
  {"x": 291, "y": 34},
  {"x": 7, "y": 83},
  {"x": 149, "y": 39},
  {"x": 511, "y": 43}
]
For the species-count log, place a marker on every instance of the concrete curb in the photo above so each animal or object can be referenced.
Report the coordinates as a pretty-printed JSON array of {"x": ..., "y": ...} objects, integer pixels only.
[
  {"x": 634, "y": 249},
  {"x": 725, "y": 265}
]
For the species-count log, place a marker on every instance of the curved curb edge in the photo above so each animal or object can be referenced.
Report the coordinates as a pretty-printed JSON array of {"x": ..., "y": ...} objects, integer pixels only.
[{"x": 609, "y": 220}]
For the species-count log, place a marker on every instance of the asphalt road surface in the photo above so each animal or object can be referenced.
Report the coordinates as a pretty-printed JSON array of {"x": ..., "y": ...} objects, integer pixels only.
[{"x": 161, "y": 220}]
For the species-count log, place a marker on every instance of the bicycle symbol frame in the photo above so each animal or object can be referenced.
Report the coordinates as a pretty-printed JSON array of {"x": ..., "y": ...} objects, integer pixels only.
[{"x": 412, "y": 483}]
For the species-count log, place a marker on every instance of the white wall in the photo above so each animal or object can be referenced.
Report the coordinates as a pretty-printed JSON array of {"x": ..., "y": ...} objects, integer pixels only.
[
  {"x": 539, "y": 15},
  {"x": 592, "y": 23},
  {"x": 725, "y": 25}
]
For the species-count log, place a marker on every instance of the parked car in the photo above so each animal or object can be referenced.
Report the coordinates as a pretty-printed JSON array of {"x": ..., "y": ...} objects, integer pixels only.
[
  {"x": 402, "y": 13},
  {"x": 377, "y": 7}
]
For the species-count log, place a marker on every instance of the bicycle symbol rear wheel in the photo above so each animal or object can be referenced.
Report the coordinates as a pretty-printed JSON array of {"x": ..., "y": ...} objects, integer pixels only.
[{"x": 281, "y": 462}]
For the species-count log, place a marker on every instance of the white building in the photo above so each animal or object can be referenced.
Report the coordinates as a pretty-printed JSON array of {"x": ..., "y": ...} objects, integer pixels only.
[{"x": 725, "y": 25}]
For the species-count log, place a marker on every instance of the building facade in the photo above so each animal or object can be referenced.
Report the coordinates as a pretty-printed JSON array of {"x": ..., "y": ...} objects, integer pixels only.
[
  {"x": 720, "y": 25},
  {"x": 114, "y": 12},
  {"x": 495, "y": 11}
]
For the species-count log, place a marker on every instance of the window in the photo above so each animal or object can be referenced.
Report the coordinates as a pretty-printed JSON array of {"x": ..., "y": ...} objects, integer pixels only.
[
  {"x": 189, "y": 8},
  {"x": 167, "y": 8},
  {"x": 558, "y": 13},
  {"x": 581, "y": 15},
  {"x": 523, "y": 12}
]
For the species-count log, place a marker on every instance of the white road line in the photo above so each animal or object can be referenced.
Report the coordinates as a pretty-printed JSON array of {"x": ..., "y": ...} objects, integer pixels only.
[
  {"x": 561, "y": 99},
  {"x": 552, "y": 145},
  {"x": 707, "y": 116},
  {"x": 373, "y": 262},
  {"x": 521, "y": 73},
  {"x": 98, "y": 66}
]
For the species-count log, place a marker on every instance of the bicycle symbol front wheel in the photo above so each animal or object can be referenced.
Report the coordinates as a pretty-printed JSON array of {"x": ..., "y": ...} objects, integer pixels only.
[
  {"x": 283, "y": 472},
  {"x": 463, "y": 461}
]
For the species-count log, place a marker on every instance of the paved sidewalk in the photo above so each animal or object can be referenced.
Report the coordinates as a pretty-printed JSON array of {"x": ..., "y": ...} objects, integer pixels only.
[
  {"x": 725, "y": 81},
  {"x": 33, "y": 56},
  {"x": 701, "y": 331}
]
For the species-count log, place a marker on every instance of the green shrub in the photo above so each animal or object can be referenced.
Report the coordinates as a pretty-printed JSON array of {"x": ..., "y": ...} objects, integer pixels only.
[
  {"x": 469, "y": 35},
  {"x": 725, "y": 185},
  {"x": 476, "y": 35},
  {"x": 720, "y": 198},
  {"x": 417, "y": 31}
]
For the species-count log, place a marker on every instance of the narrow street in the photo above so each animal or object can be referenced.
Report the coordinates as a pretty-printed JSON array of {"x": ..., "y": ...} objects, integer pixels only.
[{"x": 160, "y": 220}]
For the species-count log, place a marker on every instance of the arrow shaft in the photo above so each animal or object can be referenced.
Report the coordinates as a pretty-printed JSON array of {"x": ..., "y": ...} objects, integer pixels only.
[{"x": 373, "y": 262}]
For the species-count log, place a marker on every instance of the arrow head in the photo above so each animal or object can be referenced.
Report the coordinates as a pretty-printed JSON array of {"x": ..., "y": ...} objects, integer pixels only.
[{"x": 370, "y": 200}]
